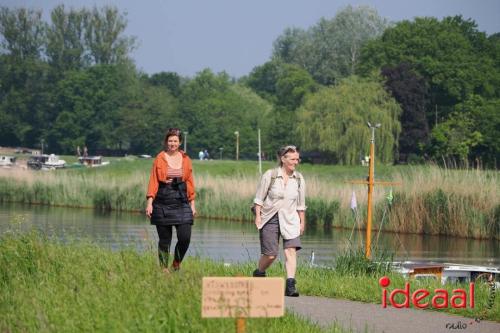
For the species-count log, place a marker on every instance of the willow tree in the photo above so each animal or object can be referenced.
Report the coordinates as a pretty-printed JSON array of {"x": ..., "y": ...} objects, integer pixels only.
[{"x": 334, "y": 121}]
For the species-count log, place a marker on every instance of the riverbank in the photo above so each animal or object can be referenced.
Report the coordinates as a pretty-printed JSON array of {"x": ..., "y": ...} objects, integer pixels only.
[
  {"x": 49, "y": 286},
  {"x": 431, "y": 200}
]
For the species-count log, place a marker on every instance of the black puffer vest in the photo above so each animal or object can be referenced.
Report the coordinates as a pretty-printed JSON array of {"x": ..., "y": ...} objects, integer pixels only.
[{"x": 170, "y": 206}]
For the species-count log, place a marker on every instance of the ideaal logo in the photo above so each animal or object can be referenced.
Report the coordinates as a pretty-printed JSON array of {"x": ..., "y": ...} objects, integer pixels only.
[{"x": 439, "y": 299}]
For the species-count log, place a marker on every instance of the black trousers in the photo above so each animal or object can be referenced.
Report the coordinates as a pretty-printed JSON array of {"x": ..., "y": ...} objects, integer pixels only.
[{"x": 183, "y": 240}]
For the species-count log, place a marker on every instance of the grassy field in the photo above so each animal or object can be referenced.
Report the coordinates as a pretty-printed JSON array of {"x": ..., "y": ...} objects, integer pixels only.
[
  {"x": 431, "y": 200},
  {"x": 46, "y": 286},
  {"x": 49, "y": 287}
]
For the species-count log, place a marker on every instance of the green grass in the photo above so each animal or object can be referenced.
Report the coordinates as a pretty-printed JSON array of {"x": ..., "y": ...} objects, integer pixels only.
[
  {"x": 49, "y": 287},
  {"x": 46, "y": 286}
]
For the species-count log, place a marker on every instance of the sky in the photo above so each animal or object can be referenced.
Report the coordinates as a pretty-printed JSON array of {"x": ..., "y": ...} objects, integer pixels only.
[{"x": 186, "y": 36}]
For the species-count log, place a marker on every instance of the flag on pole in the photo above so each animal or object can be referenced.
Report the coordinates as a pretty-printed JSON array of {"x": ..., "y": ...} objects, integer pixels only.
[
  {"x": 390, "y": 197},
  {"x": 354, "y": 203}
]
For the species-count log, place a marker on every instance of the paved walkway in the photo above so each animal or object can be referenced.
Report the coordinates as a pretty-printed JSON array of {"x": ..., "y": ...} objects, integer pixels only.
[{"x": 372, "y": 318}]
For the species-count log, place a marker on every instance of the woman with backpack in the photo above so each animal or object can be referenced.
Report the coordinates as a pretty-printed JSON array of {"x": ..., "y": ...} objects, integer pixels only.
[{"x": 280, "y": 211}]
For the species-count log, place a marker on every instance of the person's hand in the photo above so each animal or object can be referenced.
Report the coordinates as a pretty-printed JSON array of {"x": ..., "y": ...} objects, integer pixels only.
[
  {"x": 258, "y": 221},
  {"x": 149, "y": 209},
  {"x": 193, "y": 209},
  {"x": 302, "y": 228}
]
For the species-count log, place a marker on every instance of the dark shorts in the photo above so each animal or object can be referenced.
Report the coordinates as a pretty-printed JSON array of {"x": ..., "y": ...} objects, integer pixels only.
[{"x": 269, "y": 237}]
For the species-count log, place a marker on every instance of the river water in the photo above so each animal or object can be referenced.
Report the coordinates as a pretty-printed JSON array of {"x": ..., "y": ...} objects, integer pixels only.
[{"x": 230, "y": 241}]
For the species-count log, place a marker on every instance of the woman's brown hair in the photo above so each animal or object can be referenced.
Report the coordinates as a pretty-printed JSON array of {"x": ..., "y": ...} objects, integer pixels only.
[{"x": 173, "y": 132}]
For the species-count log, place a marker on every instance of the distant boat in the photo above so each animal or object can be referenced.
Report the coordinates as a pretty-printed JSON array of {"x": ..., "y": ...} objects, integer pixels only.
[
  {"x": 53, "y": 162},
  {"x": 7, "y": 161},
  {"x": 92, "y": 161},
  {"x": 46, "y": 162}
]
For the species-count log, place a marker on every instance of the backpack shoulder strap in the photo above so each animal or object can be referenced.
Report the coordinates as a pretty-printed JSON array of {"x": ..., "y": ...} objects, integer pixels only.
[
  {"x": 274, "y": 175},
  {"x": 299, "y": 177}
]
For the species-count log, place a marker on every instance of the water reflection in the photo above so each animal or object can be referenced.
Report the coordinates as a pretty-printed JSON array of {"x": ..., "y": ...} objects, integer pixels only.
[{"x": 236, "y": 241}]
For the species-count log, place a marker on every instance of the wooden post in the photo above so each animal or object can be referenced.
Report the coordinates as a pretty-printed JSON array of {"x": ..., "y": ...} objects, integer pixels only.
[
  {"x": 240, "y": 321},
  {"x": 240, "y": 325},
  {"x": 370, "y": 200},
  {"x": 371, "y": 183}
]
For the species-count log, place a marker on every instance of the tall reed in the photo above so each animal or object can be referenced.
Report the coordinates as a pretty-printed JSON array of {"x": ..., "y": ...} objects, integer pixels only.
[{"x": 431, "y": 200}]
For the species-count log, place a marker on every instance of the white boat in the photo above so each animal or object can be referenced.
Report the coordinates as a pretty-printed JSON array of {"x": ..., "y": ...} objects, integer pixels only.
[
  {"x": 92, "y": 161},
  {"x": 53, "y": 162},
  {"x": 45, "y": 162},
  {"x": 447, "y": 272},
  {"x": 7, "y": 161}
]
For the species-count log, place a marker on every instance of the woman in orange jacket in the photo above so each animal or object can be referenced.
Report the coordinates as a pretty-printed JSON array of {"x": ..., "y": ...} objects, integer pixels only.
[{"x": 170, "y": 198}]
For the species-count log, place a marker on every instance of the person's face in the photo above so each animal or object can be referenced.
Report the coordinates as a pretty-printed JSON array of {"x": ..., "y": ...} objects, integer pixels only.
[
  {"x": 173, "y": 143},
  {"x": 290, "y": 161}
]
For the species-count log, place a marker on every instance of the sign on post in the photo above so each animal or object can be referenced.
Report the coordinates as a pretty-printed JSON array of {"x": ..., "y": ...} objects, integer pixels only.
[{"x": 242, "y": 297}]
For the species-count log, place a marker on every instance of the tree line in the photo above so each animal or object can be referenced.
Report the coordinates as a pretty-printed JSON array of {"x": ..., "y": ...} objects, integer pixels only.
[{"x": 432, "y": 84}]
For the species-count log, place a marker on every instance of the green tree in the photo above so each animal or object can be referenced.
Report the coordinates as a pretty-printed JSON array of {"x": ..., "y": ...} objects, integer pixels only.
[
  {"x": 455, "y": 138},
  {"x": 144, "y": 120},
  {"x": 263, "y": 80},
  {"x": 451, "y": 54},
  {"x": 66, "y": 103},
  {"x": 483, "y": 118},
  {"x": 286, "y": 86},
  {"x": 411, "y": 92},
  {"x": 213, "y": 109},
  {"x": 66, "y": 47},
  {"x": 23, "y": 32},
  {"x": 292, "y": 86},
  {"x": 22, "y": 75},
  {"x": 170, "y": 80},
  {"x": 104, "y": 28},
  {"x": 333, "y": 121},
  {"x": 25, "y": 99},
  {"x": 87, "y": 108},
  {"x": 487, "y": 122},
  {"x": 331, "y": 49}
]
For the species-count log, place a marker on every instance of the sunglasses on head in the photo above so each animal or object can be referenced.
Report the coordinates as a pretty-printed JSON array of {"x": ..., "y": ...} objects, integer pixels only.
[{"x": 287, "y": 149}]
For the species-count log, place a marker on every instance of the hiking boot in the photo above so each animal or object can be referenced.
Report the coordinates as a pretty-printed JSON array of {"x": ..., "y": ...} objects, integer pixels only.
[
  {"x": 290, "y": 288},
  {"x": 258, "y": 273}
]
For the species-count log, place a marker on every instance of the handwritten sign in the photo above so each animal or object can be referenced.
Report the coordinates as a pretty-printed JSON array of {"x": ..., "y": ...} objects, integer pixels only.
[{"x": 242, "y": 297}]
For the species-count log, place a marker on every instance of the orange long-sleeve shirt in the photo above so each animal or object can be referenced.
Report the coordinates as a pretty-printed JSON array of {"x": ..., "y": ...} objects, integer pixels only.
[{"x": 159, "y": 174}]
